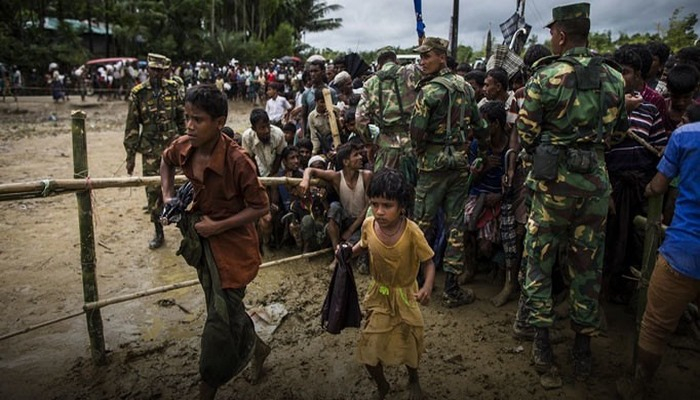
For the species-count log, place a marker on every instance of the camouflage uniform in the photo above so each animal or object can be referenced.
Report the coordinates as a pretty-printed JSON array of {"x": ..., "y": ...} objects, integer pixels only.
[
  {"x": 571, "y": 107},
  {"x": 444, "y": 112},
  {"x": 387, "y": 102},
  {"x": 155, "y": 118}
]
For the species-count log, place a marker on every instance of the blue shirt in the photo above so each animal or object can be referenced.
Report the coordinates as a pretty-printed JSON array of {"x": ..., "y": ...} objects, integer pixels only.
[
  {"x": 490, "y": 181},
  {"x": 682, "y": 158}
]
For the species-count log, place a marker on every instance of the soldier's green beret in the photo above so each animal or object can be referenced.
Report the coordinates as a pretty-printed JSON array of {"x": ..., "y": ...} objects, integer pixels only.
[
  {"x": 432, "y": 43},
  {"x": 569, "y": 12},
  {"x": 158, "y": 61}
]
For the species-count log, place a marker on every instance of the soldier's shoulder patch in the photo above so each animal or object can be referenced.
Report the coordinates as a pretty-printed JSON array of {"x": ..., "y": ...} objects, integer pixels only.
[{"x": 138, "y": 88}]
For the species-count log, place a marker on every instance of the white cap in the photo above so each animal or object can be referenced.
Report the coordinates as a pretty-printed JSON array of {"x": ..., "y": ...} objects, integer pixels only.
[{"x": 316, "y": 158}]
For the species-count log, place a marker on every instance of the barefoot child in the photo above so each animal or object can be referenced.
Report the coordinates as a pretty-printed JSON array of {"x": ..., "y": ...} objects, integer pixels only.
[
  {"x": 229, "y": 198},
  {"x": 393, "y": 331}
]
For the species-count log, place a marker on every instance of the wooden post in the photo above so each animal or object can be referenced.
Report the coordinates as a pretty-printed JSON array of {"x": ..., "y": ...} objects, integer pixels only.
[
  {"x": 652, "y": 238},
  {"x": 335, "y": 132},
  {"x": 87, "y": 238}
]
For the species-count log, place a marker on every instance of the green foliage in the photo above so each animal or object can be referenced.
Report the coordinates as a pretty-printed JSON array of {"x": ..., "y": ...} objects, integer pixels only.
[{"x": 681, "y": 30}]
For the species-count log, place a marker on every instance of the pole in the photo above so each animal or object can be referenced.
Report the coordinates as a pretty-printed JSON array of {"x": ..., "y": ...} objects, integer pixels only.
[
  {"x": 87, "y": 238},
  {"x": 455, "y": 28},
  {"x": 651, "y": 246}
]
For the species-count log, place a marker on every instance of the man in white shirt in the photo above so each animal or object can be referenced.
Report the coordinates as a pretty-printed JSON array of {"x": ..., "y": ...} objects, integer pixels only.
[
  {"x": 264, "y": 142},
  {"x": 276, "y": 106}
]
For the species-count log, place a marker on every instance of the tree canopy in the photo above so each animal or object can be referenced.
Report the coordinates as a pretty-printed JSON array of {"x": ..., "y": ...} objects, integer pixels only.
[{"x": 251, "y": 30}]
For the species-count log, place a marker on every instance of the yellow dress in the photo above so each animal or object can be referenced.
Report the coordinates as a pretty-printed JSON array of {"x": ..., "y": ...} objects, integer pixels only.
[{"x": 393, "y": 330}]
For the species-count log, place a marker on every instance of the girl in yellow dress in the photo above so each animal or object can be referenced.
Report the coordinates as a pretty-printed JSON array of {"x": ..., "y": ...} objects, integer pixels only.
[{"x": 393, "y": 330}]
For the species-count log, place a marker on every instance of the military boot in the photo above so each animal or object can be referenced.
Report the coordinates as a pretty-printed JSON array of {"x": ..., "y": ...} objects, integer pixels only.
[
  {"x": 453, "y": 295},
  {"x": 637, "y": 387},
  {"x": 158, "y": 238},
  {"x": 542, "y": 354}
]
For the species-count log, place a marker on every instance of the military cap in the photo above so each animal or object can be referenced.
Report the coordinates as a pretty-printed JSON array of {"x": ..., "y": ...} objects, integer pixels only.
[
  {"x": 570, "y": 11},
  {"x": 432, "y": 43},
  {"x": 158, "y": 61},
  {"x": 386, "y": 49}
]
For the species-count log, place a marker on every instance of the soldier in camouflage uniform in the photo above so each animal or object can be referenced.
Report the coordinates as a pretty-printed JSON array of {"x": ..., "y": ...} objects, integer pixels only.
[
  {"x": 572, "y": 107},
  {"x": 444, "y": 113},
  {"x": 156, "y": 117},
  {"x": 387, "y": 102}
]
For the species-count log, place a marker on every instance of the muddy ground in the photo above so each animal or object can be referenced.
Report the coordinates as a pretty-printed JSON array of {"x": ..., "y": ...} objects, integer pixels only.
[{"x": 153, "y": 349}]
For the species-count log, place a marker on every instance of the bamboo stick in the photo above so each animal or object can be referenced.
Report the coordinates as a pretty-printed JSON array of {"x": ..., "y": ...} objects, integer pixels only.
[
  {"x": 120, "y": 299},
  {"x": 87, "y": 239},
  {"x": 651, "y": 246},
  {"x": 335, "y": 132},
  {"x": 49, "y": 187},
  {"x": 645, "y": 144},
  {"x": 41, "y": 325},
  {"x": 87, "y": 307}
]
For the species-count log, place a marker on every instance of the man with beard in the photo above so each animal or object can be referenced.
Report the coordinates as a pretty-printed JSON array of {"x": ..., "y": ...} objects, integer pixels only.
[{"x": 155, "y": 118}]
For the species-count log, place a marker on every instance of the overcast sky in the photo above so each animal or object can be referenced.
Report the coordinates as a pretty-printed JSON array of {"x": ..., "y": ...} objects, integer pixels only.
[{"x": 371, "y": 24}]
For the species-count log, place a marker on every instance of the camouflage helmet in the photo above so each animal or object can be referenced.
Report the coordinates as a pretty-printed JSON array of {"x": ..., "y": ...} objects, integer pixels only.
[
  {"x": 569, "y": 12},
  {"x": 158, "y": 61}
]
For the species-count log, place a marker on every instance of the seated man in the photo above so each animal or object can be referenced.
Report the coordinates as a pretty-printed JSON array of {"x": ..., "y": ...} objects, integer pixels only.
[
  {"x": 346, "y": 216},
  {"x": 483, "y": 206},
  {"x": 292, "y": 204},
  {"x": 313, "y": 225},
  {"x": 264, "y": 142},
  {"x": 305, "y": 148}
]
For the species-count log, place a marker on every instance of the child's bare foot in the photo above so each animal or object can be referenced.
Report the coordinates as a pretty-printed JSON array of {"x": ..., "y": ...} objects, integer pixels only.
[
  {"x": 262, "y": 350},
  {"x": 414, "y": 391}
]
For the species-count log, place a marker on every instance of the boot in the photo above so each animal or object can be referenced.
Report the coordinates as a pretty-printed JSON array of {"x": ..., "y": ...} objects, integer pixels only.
[
  {"x": 582, "y": 356},
  {"x": 636, "y": 388},
  {"x": 542, "y": 354},
  {"x": 158, "y": 238},
  {"x": 453, "y": 295}
]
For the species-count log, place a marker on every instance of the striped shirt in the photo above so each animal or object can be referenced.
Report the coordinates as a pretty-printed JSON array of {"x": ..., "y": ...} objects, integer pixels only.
[{"x": 627, "y": 155}]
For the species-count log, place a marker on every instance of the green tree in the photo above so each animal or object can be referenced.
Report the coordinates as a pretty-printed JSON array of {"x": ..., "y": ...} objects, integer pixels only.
[{"x": 681, "y": 30}]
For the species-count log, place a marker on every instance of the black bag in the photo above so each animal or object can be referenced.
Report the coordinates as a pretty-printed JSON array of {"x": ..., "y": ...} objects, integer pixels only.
[
  {"x": 545, "y": 162},
  {"x": 341, "y": 309},
  {"x": 581, "y": 161}
]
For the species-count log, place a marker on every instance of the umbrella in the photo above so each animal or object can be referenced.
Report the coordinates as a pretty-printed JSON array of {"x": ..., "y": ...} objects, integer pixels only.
[
  {"x": 355, "y": 65},
  {"x": 290, "y": 60}
]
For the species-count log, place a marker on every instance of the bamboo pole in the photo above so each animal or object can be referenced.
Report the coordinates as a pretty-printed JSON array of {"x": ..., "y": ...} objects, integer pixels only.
[
  {"x": 95, "y": 305},
  {"x": 652, "y": 238},
  {"x": 87, "y": 238},
  {"x": 179, "y": 285},
  {"x": 50, "y": 187},
  {"x": 331, "y": 117}
]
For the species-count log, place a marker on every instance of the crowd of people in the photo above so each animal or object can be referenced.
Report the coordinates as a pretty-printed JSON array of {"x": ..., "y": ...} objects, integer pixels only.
[{"x": 531, "y": 169}]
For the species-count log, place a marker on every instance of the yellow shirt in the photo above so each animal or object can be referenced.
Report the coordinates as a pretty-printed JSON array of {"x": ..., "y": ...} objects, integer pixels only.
[{"x": 394, "y": 269}]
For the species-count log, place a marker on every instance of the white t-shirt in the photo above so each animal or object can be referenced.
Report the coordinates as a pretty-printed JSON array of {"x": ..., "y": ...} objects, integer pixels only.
[{"x": 276, "y": 108}]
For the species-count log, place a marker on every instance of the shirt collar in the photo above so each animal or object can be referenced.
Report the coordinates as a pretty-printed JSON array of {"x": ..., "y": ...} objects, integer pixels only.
[
  {"x": 218, "y": 156},
  {"x": 578, "y": 51}
]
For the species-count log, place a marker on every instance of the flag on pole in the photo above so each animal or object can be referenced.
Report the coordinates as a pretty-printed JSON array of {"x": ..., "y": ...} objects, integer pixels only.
[{"x": 420, "y": 26}]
